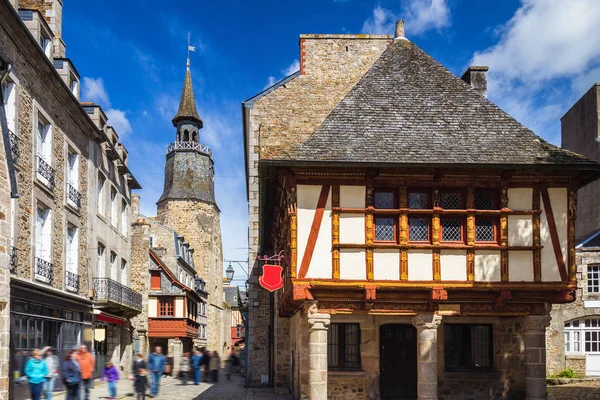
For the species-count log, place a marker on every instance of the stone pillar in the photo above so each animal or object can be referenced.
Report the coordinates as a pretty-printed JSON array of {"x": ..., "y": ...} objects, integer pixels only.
[
  {"x": 317, "y": 352},
  {"x": 427, "y": 374},
  {"x": 534, "y": 338},
  {"x": 175, "y": 350}
]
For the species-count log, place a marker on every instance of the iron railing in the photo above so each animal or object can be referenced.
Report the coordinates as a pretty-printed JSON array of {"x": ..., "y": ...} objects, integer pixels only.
[
  {"x": 44, "y": 270},
  {"x": 72, "y": 281},
  {"x": 46, "y": 172},
  {"x": 189, "y": 146},
  {"x": 14, "y": 258},
  {"x": 14, "y": 145},
  {"x": 108, "y": 290},
  {"x": 74, "y": 196}
]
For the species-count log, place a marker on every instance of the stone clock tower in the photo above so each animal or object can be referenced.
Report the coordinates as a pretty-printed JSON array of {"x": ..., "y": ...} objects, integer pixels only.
[{"x": 188, "y": 206}]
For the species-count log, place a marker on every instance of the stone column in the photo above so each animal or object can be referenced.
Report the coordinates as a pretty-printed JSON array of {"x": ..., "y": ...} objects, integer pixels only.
[
  {"x": 534, "y": 337},
  {"x": 175, "y": 350},
  {"x": 317, "y": 352},
  {"x": 427, "y": 374}
]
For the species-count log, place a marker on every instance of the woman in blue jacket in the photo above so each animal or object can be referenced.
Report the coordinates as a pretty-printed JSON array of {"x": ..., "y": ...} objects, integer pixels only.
[
  {"x": 36, "y": 371},
  {"x": 71, "y": 375}
]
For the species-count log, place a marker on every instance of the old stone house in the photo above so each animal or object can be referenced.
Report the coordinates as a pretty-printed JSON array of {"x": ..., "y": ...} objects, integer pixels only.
[
  {"x": 56, "y": 148},
  {"x": 573, "y": 338},
  {"x": 426, "y": 233}
]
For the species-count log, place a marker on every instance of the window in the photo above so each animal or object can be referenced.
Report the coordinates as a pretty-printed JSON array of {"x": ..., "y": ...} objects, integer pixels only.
[
  {"x": 486, "y": 228},
  {"x": 100, "y": 194},
  {"x": 113, "y": 266},
  {"x": 43, "y": 234},
  {"x": 452, "y": 201},
  {"x": 74, "y": 86},
  {"x": 124, "y": 219},
  {"x": 418, "y": 200},
  {"x": 486, "y": 200},
  {"x": 124, "y": 275},
  {"x": 166, "y": 307},
  {"x": 593, "y": 279},
  {"x": 452, "y": 229},
  {"x": 73, "y": 169},
  {"x": 72, "y": 261},
  {"x": 113, "y": 207},
  {"x": 385, "y": 225},
  {"x": 343, "y": 346},
  {"x": 9, "y": 94},
  {"x": 44, "y": 153},
  {"x": 100, "y": 262},
  {"x": 418, "y": 225},
  {"x": 468, "y": 347},
  {"x": 154, "y": 280},
  {"x": 46, "y": 45}
]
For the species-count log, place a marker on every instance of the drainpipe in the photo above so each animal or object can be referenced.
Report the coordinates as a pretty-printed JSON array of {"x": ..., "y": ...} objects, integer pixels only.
[{"x": 5, "y": 68}]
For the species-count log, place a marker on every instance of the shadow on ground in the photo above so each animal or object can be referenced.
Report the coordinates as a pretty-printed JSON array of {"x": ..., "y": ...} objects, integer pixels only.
[{"x": 569, "y": 392}]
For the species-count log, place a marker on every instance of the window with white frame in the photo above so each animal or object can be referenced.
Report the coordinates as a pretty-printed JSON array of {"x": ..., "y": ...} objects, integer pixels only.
[
  {"x": 72, "y": 258},
  {"x": 46, "y": 44},
  {"x": 113, "y": 207},
  {"x": 73, "y": 194},
  {"x": 44, "y": 153},
  {"x": 74, "y": 86},
  {"x": 582, "y": 336},
  {"x": 124, "y": 275},
  {"x": 593, "y": 279},
  {"x": 113, "y": 266},
  {"x": 124, "y": 219},
  {"x": 101, "y": 194},
  {"x": 43, "y": 234},
  {"x": 100, "y": 262},
  {"x": 9, "y": 94}
]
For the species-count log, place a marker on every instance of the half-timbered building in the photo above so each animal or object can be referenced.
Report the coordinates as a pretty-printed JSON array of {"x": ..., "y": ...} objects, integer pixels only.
[{"x": 426, "y": 232}]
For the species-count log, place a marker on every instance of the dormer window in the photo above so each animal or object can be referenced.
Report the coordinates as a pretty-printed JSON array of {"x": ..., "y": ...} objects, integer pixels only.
[
  {"x": 46, "y": 44},
  {"x": 74, "y": 86}
]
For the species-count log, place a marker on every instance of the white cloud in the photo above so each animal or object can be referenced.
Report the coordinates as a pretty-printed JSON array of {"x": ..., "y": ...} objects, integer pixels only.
[
  {"x": 270, "y": 82},
  {"x": 419, "y": 17},
  {"x": 93, "y": 90},
  {"x": 293, "y": 67},
  {"x": 118, "y": 120}
]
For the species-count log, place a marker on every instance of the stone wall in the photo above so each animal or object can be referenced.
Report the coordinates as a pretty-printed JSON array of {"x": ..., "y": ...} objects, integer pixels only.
[
  {"x": 140, "y": 275},
  {"x": 576, "y": 363},
  {"x": 346, "y": 387},
  {"x": 331, "y": 65}
]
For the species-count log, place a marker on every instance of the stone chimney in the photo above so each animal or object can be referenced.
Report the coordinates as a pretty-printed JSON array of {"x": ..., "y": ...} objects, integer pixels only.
[
  {"x": 399, "y": 34},
  {"x": 476, "y": 76}
]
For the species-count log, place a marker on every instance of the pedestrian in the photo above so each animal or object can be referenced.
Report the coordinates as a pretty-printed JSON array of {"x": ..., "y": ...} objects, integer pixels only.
[
  {"x": 86, "y": 364},
  {"x": 137, "y": 364},
  {"x": 228, "y": 367},
  {"x": 197, "y": 367},
  {"x": 215, "y": 365},
  {"x": 53, "y": 367},
  {"x": 140, "y": 384},
  {"x": 112, "y": 376},
  {"x": 71, "y": 375},
  {"x": 156, "y": 364},
  {"x": 205, "y": 363},
  {"x": 36, "y": 371},
  {"x": 184, "y": 367}
]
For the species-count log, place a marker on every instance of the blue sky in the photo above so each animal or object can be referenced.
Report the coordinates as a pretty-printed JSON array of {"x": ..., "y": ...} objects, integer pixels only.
[{"x": 543, "y": 55}]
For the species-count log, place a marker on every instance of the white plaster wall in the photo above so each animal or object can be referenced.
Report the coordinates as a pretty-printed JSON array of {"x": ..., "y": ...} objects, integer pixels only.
[
  {"x": 386, "y": 265},
  {"x": 520, "y": 266},
  {"x": 352, "y": 228},
  {"x": 520, "y": 199},
  {"x": 487, "y": 266},
  {"x": 320, "y": 264},
  {"x": 152, "y": 307},
  {"x": 453, "y": 265},
  {"x": 420, "y": 265},
  {"x": 352, "y": 196},
  {"x": 520, "y": 230},
  {"x": 179, "y": 307},
  {"x": 559, "y": 201},
  {"x": 353, "y": 264}
]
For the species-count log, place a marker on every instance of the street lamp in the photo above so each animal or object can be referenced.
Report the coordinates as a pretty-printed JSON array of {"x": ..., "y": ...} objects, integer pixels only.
[{"x": 229, "y": 273}]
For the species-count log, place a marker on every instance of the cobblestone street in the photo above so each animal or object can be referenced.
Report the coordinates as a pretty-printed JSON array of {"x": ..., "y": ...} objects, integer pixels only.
[{"x": 577, "y": 391}]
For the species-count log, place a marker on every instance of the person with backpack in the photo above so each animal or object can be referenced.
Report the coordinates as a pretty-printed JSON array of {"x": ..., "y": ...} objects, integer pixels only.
[
  {"x": 71, "y": 374},
  {"x": 36, "y": 371}
]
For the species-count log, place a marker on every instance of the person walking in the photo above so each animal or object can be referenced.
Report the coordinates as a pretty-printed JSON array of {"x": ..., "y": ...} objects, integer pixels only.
[
  {"x": 86, "y": 364},
  {"x": 71, "y": 375},
  {"x": 111, "y": 374},
  {"x": 184, "y": 367},
  {"x": 53, "y": 366},
  {"x": 156, "y": 363},
  {"x": 197, "y": 367},
  {"x": 215, "y": 365},
  {"x": 205, "y": 363},
  {"x": 36, "y": 371},
  {"x": 137, "y": 364},
  {"x": 140, "y": 383}
]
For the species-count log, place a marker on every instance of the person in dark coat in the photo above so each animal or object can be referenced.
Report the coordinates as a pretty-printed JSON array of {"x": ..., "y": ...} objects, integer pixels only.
[
  {"x": 71, "y": 374},
  {"x": 137, "y": 364},
  {"x": 205, "y": 363},
  {"x": 140, "y": 384}
]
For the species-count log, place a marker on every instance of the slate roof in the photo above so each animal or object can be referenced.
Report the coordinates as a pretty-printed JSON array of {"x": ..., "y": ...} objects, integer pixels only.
[
  {"x": 409, "y": 109},
  {"x": 187, "y": 104}
]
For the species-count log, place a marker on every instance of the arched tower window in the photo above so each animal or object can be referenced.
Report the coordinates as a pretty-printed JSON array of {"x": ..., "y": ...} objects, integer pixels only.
[
  {"x": 194, "y": 136},
  {"x": 186, "y": 136}
]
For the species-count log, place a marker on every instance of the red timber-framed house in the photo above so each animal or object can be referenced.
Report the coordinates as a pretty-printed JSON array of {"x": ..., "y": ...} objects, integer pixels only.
[{"x": 426, "y": 232}]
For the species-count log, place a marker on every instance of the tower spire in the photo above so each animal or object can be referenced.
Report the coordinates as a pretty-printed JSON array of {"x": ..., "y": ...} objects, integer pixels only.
[{"x": 187, "y": 104}]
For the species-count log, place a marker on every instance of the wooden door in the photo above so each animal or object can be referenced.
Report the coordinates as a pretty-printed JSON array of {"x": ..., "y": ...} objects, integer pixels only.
[{"x": 398, "y": 362}]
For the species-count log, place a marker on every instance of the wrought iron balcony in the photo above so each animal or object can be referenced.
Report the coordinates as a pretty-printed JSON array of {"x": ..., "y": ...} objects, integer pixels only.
[
  {"x": 46, "y": 172},
  {"x": 112, "y": 293},
  {"x": 73, "y": 196},
  {"x": 44, "y": 270},
  {"x": 189, "y": 146},
  {"x": 14, "y": 258},
  {"x": 72, "y": 281},
  {"x": 14, "y": 145}
]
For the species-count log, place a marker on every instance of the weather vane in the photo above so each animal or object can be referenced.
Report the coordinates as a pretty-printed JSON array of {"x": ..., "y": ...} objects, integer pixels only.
[{"x": 190, "y": 48}]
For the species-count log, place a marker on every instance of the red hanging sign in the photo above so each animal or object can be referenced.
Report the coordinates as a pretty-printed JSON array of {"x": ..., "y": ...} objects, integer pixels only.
[{"x": 271, "y": 278}]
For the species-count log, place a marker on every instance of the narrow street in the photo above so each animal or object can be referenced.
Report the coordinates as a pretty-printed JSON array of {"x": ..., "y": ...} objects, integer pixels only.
[{"x": 578, "y": 391}]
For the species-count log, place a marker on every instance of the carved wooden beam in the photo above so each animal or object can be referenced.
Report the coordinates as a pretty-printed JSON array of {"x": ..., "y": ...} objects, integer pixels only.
[
  {"x": 335, "y": 231},
  {"x": 438, "y": 293},
  {"x": 501, "y": 299},
  {"x": 537, "y": 253},
  {"x": 567, "y": 296},
  {"x": 404, "y": 265},
  {"x": 314, "y": 231},
  {"x": 562, "y": 269},
  {"x": 436, "y": 265},
  {"x": 571, "y": 231}
]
